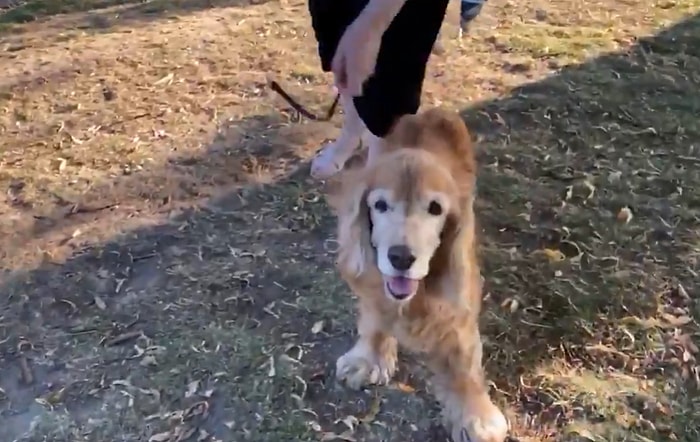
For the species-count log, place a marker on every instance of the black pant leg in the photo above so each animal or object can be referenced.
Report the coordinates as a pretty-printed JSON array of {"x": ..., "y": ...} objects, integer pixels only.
[
  {"x": 396, "y": 86},
  {"x": 329, "y": 19}
]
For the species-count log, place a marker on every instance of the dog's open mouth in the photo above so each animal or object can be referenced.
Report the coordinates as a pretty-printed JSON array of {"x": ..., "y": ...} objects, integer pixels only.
[{"x": 401, "y": 287}]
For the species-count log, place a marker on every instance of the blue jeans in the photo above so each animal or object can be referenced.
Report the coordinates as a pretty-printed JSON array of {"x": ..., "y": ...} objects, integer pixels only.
[{"x": 469, "y": 10}]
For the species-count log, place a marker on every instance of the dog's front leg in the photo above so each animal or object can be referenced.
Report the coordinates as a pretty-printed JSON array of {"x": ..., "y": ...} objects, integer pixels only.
[
  {"x": 461, "y": 388},
  {"x": 372, "y": 360}
]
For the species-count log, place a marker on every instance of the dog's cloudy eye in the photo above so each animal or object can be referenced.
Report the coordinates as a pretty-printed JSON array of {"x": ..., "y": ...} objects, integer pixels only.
[
  {"x": 381, "y": 206},
  {"x": 435, "y": 208}
]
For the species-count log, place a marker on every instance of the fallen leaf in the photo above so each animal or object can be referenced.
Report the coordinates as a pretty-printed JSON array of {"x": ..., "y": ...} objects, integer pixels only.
[
  {"x": 405, "y": 387},
  {"x": 614, "y": 177},
  {"x": 511, "y": 304},
  {"x": 644, "y": 323},
  {"x": 677, "y": 321},
  {"x": 624, "y": 215},
  {"x": 690, "y": 345},
  {"x": 198, "y": 409},
  {"x": 167, "y": 79},
  {"x": 183, "y": 433},
  {"x": 122, "y": 383},
  {"x": 317, "y": 327},
  {"x": 160, "y": 437},
  {"x": 581, "y": 432},
  {"x": 272, "y": 371},
  {"x": 373, "y": 411},
  {"x": 54, "y": 397},
  {"x": 346, "y": 436},
  {"x": 192, "y": 388},
  {"x": 554, "y": 255},
  {"x": 687, "y": 356},
  {"x": 99, "y": 302},
  {"x": 350, "y": 421},
  {"x": 569, "y": 193},
  {"x": 499, "y": 119},
  {"x": 591, "y": 189},
  {"x": 139, "y": 352},
  {"x": 150, "y": 392},
  {"x": 124, "y": 337},
  {"x": 61, "y": 164},
  {"x": 148, "y": 361}
]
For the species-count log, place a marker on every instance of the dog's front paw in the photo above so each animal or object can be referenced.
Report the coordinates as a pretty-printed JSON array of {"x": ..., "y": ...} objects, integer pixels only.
[
  {"x": 360, "y": 367},
  {"x": 487, "y": 424}
]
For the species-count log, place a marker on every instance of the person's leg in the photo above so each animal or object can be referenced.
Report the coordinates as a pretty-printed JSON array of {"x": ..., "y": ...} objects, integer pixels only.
[
  {"x": 329, "y": 19},
  {"x": 396, "y": 86},
  {"x": 468, "y": 11},
  {"x": 333, "y": 155},
  {"x": 394, "y": 89}
]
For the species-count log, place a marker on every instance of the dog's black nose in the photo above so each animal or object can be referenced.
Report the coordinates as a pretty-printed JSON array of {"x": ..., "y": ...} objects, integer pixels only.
[{"x": 401, "y": 257}]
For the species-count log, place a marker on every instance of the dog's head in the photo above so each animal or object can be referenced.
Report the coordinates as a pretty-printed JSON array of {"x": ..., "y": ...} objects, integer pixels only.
[{"x": 409, "y": 215}]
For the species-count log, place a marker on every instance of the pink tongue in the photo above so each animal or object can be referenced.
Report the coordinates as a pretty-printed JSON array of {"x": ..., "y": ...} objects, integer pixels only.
[{"x": 400, "y": 285}]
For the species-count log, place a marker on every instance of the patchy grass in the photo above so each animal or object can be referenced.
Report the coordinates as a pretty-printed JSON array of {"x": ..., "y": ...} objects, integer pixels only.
[
  {"x": 25, "y": 11},
  {"x": 169, "y": 267}
]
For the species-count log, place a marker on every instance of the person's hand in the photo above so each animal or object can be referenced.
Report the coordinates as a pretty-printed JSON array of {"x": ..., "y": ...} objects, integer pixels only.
[{"x": 356, "y": 55}]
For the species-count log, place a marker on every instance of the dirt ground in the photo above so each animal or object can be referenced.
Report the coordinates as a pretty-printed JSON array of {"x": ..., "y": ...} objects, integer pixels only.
[{"x": 166, "y": 264}]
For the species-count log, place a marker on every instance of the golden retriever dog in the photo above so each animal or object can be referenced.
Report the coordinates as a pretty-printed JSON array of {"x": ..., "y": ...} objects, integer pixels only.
[{"x": 407, "y": 250}]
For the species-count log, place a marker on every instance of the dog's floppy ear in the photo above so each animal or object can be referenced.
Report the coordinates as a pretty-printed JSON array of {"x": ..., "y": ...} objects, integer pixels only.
[
  {"x": 453, "y": 268},
  {"x": 354, "y": 230}
]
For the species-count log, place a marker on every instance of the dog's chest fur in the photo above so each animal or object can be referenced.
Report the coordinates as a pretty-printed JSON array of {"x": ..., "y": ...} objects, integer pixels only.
[{"x": 426, "y": 325}]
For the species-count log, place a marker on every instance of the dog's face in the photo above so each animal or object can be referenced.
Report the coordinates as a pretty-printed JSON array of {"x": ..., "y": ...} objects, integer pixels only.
[
  {"x": 408, "y": 198},
  {"x": 404, "y": 213}
]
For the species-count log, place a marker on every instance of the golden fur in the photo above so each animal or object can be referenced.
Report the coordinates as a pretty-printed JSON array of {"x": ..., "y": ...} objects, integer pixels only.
[{"x": 426, "y": 154}]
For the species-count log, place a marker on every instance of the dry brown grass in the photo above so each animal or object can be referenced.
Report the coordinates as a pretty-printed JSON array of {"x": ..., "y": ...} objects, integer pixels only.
[
  {"x": 169, "y": 265},
  {"x": 138, "y": 117}
]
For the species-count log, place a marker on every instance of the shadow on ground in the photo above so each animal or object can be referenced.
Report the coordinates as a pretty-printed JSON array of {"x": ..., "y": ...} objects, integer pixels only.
[
  {"x": 252, "y": 151},
  {"x": 226, "y": 321},
  {"x": 127, "y": 12}
]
